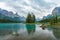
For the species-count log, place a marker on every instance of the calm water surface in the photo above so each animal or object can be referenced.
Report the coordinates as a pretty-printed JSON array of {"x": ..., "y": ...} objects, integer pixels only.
[{"x": 21, "y": 31}]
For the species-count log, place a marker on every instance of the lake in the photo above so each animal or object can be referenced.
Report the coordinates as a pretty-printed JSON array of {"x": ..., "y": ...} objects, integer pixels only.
[{"x": 22, "y": 31}]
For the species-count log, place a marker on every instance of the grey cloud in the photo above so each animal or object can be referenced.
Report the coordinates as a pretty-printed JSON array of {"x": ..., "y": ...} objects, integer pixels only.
[{"x": 37, "y": 6}]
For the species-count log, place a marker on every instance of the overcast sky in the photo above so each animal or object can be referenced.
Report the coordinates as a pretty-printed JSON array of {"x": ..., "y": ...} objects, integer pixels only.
[{"x": 39, "y": 7}]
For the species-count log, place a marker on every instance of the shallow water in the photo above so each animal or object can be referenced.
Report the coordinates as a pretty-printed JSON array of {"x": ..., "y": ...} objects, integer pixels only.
[{"x": 21, "y": 31}]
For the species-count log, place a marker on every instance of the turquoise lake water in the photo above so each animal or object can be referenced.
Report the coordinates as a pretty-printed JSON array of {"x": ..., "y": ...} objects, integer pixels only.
[{"x": 28, "y": 30}]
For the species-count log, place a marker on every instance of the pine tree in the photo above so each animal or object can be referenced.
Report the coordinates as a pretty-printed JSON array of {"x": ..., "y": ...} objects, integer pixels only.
[{"x": 30, "y": 18}]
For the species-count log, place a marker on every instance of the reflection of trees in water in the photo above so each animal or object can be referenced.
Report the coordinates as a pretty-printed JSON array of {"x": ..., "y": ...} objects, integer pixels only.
[
  {"x": 6, "y": 29},
  {"x": 56, "y": 32},
  {"x": 30, "y": 28}
]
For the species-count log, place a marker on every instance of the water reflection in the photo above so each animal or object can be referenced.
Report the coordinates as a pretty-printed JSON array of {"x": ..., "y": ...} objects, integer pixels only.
[
  {"x": 8, "y": 28},
  {"x": 25, "y": 32},
  {"x": 56, "y": 32},
  {"x": 30, "y": 28}
]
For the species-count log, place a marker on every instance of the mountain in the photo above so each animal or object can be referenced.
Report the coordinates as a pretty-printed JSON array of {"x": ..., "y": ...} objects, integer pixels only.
[
  {"x": 37, "y": 19},
  {"x": 22, "y": 19},
  {"x": 44, "y": 17},
  {"x": 49, "y": 16},
  {"x": 56, "y": 11},
  {"x": 9, "y": 15}
]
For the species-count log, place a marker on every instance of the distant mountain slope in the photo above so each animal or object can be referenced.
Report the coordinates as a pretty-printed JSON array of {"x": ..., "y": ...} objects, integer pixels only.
[{"x": 8, "y": 15}]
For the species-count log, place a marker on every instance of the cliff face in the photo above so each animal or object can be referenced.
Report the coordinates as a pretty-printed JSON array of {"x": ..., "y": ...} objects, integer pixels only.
[{"x": 56, "y": 11}]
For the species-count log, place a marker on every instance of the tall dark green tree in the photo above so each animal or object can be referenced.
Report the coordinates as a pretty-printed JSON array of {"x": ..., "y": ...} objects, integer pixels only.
[
  {"x": 33, "y": 18},
  {"x": 30, "y": 18}
]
